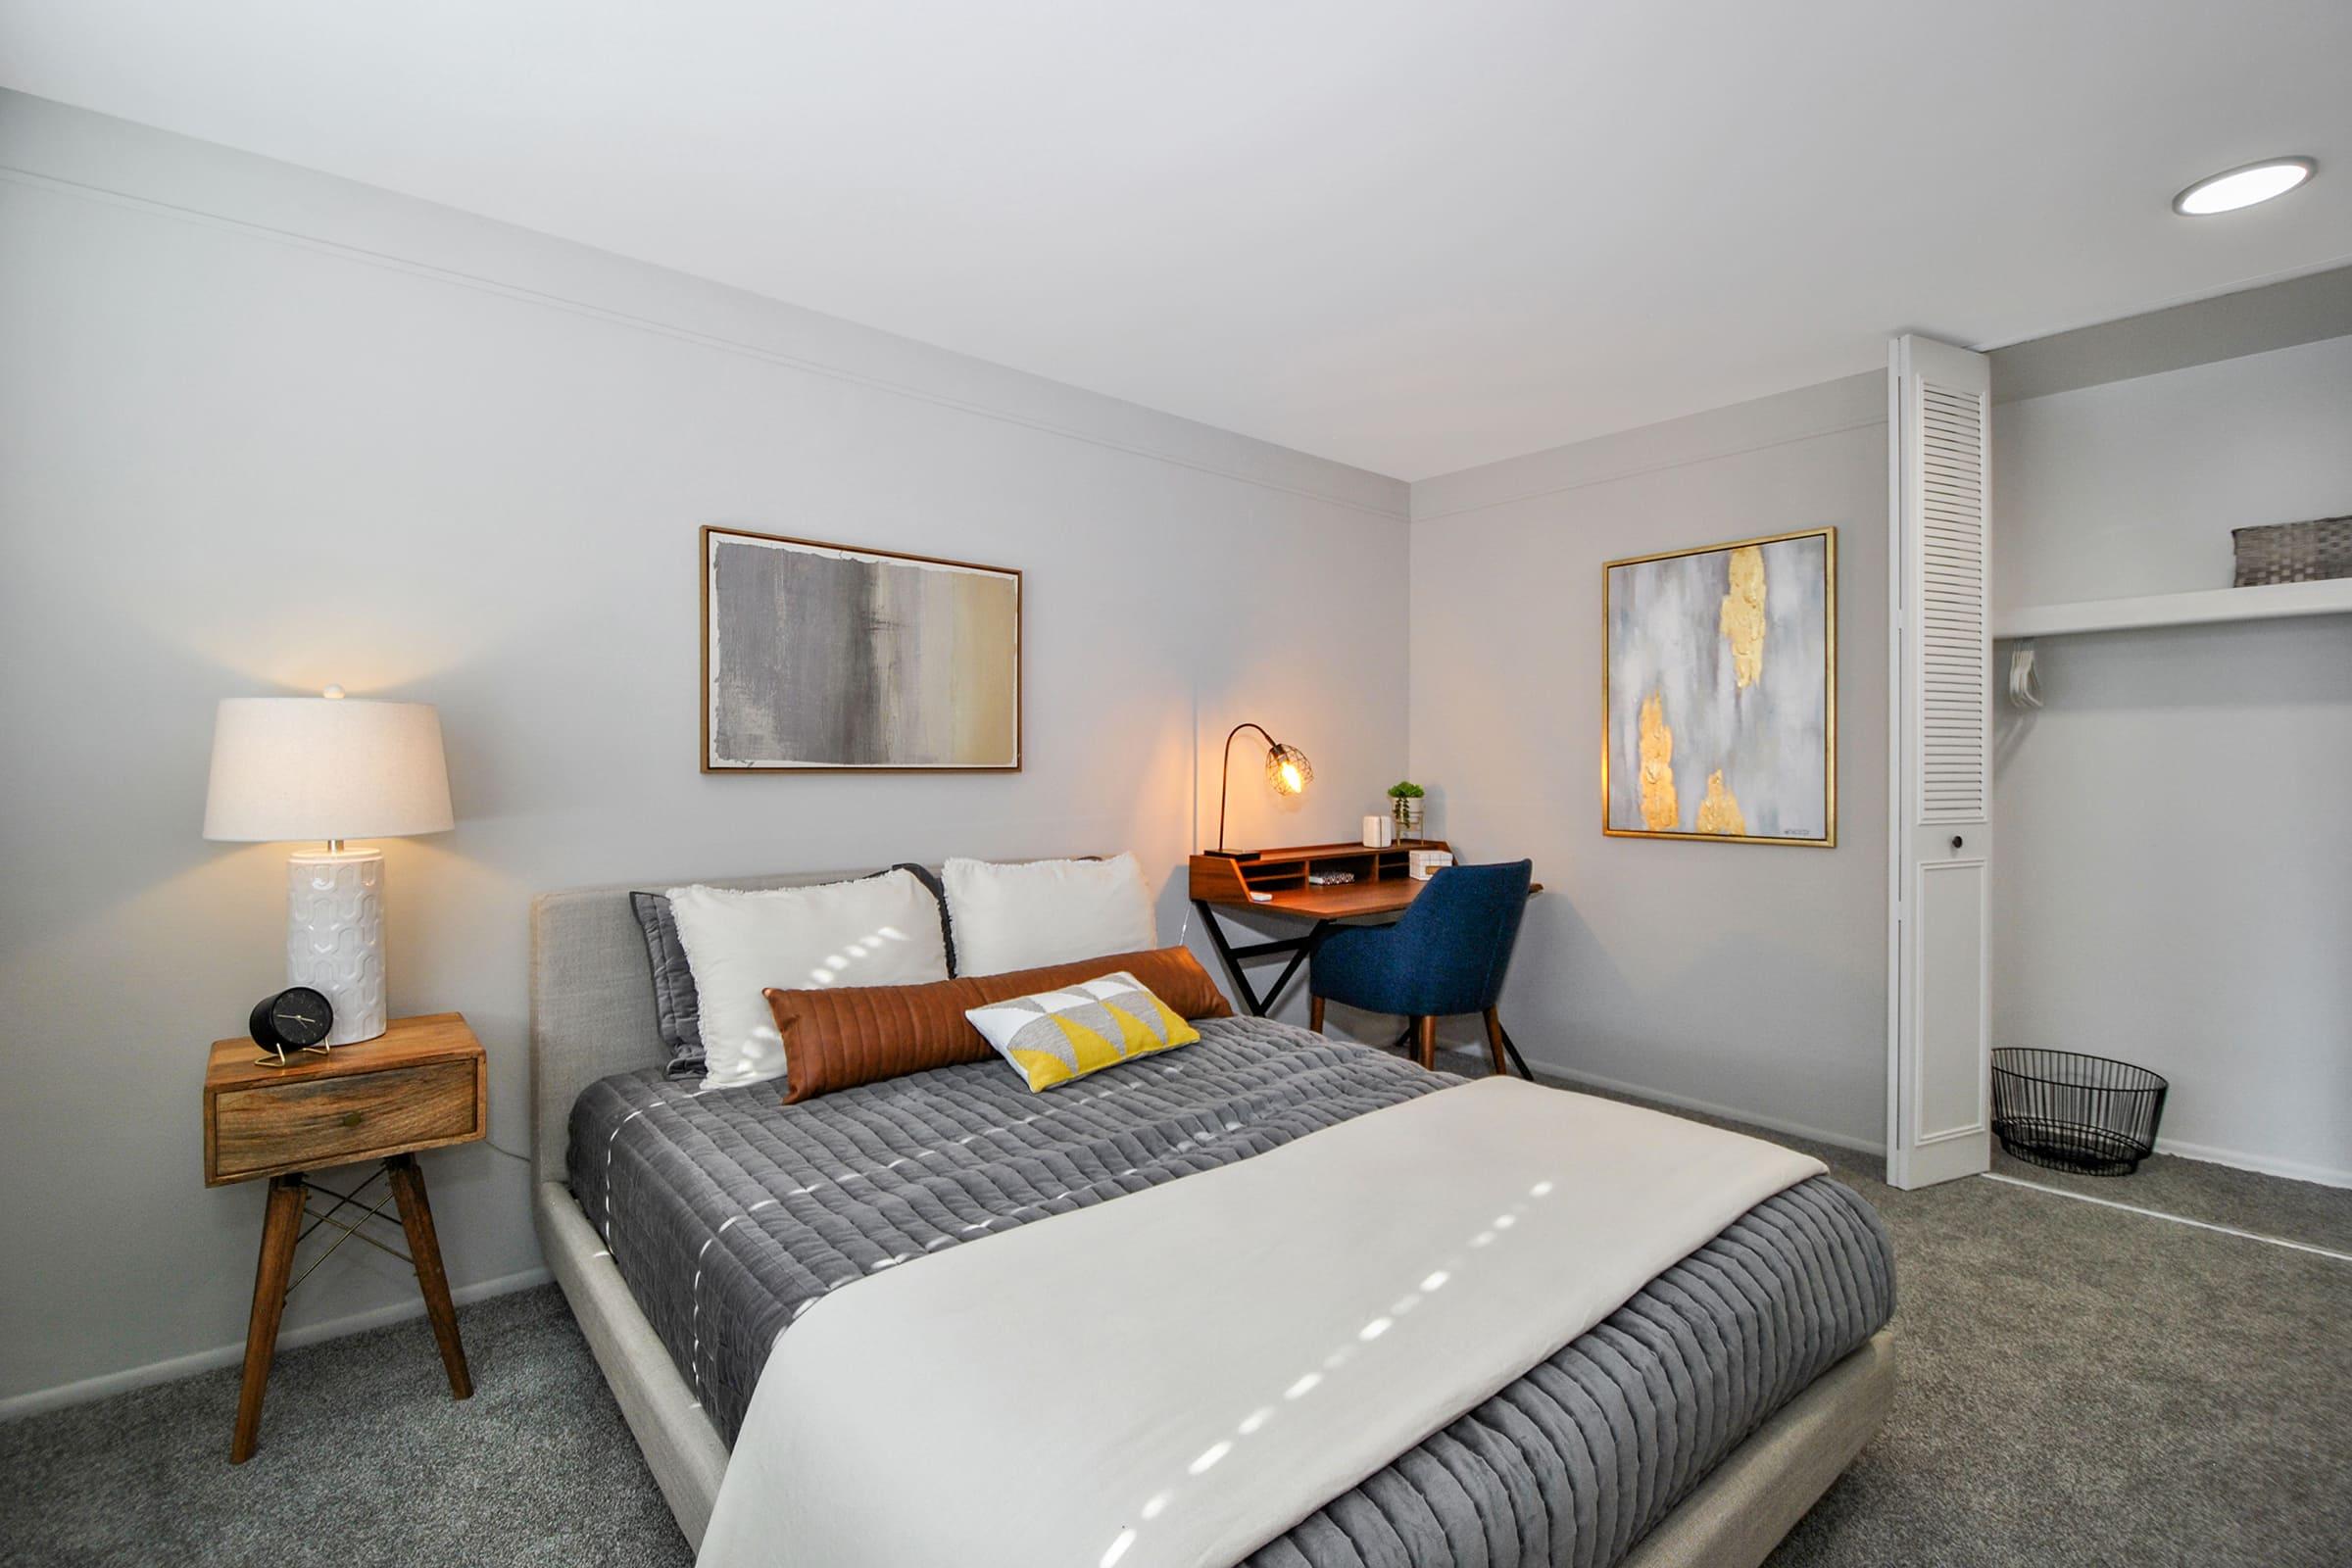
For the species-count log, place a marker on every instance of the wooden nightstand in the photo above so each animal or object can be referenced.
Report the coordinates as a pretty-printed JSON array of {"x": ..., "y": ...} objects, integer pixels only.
[{"x": 419, "y": 1085}]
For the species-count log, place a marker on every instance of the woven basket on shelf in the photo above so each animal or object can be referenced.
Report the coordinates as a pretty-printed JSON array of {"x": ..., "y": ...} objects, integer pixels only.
[{"x": 2293, "y": 552}]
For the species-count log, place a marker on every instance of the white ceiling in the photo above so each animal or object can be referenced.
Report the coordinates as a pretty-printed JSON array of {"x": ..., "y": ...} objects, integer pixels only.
[{"x": 1409, "y": 234}]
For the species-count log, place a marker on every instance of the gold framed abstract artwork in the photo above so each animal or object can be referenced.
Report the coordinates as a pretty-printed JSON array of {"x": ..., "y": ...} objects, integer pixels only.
[
  {"x": 1719, "y": 692},
  {"x": 820, "y": 658}
]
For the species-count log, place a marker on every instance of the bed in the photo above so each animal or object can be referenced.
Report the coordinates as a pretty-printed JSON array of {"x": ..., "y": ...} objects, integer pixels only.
[{"x": 1693, "y": 1425}]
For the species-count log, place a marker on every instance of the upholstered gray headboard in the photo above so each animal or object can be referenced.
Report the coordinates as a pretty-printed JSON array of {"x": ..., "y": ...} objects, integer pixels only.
[{"x": 592, "y": 997}]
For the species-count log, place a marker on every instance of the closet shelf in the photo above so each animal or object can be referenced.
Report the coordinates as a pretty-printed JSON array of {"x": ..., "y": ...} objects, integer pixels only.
[{"x": 2273, "y": 602}]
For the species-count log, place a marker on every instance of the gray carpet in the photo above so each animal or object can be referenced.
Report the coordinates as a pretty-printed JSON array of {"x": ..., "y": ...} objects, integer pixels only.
[
  {"x": 2085, "y": 1386},
  {"x": 365, "y": 1462},
  {"x": 2077, "y": 1384}
]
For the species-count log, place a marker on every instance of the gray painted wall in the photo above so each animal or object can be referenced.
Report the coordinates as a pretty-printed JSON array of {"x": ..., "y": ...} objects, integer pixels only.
[
  {"x": 2174, "y": 880},
  {"x": 261, "y": 430},
  {"x": 1744, "y": 977}
]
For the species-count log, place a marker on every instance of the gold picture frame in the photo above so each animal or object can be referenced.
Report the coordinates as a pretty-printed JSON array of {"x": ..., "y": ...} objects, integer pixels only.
[{"x": 1748, "y": 646}]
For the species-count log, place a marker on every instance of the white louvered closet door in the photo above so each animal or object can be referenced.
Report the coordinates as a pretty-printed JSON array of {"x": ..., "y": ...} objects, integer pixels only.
[{"x": 1938, "y": 1080}]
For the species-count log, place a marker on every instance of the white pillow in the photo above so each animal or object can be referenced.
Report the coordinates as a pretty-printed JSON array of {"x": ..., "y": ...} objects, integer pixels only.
[
  {"x": 877, "y": 931},
  {"x": 1010, "y": 917}
]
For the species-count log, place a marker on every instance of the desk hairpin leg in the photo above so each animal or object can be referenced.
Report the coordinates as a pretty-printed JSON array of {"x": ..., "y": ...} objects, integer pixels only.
[
  {"x": 1511, "y": 1046},
  {"x": 1301, "y": 949}
]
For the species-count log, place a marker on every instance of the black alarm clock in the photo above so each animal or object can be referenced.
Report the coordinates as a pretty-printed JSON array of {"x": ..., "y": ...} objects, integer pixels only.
[{"x": 296, "y": 1018}]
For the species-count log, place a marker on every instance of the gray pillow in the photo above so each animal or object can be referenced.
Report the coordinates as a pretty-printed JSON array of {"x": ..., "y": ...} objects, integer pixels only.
[
  {"x": 677, "y": 1010},
  {"x": 677, "y": 1006}
]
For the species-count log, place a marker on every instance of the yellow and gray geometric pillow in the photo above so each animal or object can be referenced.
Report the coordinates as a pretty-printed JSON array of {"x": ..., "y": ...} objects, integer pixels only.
[{"x": 1057, "y": 1036}]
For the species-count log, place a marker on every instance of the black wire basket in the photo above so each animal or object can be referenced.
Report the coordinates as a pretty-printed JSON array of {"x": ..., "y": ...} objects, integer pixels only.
[{"x": 2067, "y": 1111}]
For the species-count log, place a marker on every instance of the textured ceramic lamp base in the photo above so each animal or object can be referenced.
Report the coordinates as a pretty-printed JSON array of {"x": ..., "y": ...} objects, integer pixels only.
[{"x": 335, "y": 936}]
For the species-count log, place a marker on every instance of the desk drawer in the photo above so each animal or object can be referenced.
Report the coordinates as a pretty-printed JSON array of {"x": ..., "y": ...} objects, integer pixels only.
[{"x": 334, "y": 1121}]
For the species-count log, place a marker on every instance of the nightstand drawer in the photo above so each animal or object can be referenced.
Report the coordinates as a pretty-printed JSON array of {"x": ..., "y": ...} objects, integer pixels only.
[{"x": 331, "y": 1121}]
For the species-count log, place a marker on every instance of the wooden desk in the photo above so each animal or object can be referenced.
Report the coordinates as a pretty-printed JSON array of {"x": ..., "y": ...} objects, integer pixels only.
[{"x": 1383, "y": 889}]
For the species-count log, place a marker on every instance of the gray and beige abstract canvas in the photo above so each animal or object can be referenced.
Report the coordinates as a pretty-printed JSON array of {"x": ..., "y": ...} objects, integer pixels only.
[{"x": 824, "y": 658}]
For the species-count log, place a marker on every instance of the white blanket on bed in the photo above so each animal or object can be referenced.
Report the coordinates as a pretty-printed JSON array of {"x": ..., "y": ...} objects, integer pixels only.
[{"x": 1178, "y": 1376}]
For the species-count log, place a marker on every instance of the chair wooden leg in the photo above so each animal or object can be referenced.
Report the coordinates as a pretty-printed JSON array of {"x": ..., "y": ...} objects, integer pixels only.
[
  {"x": 1503, "y": 1067},
  {"x": 1425, "y": 1029},
  {"x": 1315, "y": 1013}
]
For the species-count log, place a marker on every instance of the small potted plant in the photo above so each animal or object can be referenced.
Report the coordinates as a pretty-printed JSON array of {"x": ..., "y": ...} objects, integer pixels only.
[{"x": 1404, "y": 804}]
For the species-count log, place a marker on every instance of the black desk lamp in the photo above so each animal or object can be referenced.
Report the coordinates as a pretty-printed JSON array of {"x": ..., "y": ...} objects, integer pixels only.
[{"x": 1288, "y": 772}]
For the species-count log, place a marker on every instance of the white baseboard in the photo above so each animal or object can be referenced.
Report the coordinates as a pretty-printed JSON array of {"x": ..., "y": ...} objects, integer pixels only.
[
  {"x": 2074, "y": 1195},
  {"x": 182, "y": 1366},
  {"x": 1561, "y": 1075},
  {"x": 2262, "y": 1165}
]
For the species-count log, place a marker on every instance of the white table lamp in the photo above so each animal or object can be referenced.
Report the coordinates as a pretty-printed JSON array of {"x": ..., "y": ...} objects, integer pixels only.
[{"x": 334, "y": 768}]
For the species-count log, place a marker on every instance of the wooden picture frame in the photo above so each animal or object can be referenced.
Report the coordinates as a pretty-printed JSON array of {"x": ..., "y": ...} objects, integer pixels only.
[
  {"x": 826, "y": 657},
  {"x": 1718, "y": 635}
]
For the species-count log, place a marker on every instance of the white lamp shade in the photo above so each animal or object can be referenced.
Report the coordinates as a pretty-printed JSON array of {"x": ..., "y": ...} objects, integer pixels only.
[{"x": 318, "y": 768}]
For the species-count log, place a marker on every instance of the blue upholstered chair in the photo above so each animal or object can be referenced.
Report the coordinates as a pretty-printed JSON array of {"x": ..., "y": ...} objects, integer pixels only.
[{"x": 1447, "y": 955}]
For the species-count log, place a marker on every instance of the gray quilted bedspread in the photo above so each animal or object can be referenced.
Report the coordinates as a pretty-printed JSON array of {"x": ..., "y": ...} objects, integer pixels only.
[{"x": 730, "y": 1214}]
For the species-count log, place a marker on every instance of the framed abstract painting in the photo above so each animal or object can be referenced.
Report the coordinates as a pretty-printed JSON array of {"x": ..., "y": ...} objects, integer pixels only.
[
  {"x": 1719, "y": 690},
  {"x": 820, "y": 657}
]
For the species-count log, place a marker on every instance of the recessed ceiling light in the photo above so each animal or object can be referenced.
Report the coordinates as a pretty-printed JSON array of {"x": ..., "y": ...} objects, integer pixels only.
[{"x": 2233, "y": 188}]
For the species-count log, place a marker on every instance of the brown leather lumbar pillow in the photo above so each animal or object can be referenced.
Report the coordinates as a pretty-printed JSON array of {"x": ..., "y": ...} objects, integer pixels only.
[{"x": 863, "y": 1034}]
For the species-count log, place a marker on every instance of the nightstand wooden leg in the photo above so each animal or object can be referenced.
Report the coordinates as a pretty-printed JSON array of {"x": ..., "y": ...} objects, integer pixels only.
[
  {"x": 417, "y": 1218},
  {"x": 281, "y": 1225}
]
